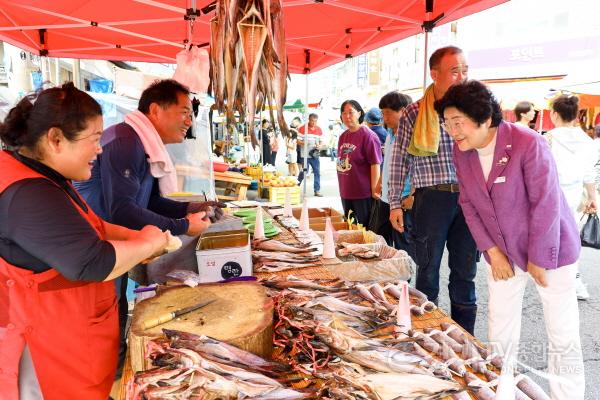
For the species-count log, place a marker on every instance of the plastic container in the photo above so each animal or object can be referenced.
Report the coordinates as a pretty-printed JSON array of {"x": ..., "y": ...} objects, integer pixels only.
[{"x": 220, "y": 166}]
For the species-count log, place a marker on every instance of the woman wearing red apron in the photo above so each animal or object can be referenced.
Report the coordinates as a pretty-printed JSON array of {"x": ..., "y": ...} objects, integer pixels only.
[{"x": 58, "y": 314}]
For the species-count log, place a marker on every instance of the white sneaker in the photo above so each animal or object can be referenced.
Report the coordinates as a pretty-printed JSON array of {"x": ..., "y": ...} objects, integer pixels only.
[{"x": 581, "y": 290}]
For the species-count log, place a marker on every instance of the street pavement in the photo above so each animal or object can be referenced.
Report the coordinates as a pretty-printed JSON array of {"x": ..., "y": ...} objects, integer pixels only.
[{"x": 533, "y": 337}]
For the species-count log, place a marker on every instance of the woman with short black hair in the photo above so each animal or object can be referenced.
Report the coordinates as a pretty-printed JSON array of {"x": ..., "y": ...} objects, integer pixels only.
[{"x": 359, "y": 156}]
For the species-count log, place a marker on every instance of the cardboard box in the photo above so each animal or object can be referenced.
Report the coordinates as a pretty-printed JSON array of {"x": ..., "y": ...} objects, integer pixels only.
[
  {"x": 223, "y": 255},
  {"x": 317, "y": 212}
]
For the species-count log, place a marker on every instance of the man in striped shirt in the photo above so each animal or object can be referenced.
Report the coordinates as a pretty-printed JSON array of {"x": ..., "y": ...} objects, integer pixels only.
[{"x": 437, "y": 217}]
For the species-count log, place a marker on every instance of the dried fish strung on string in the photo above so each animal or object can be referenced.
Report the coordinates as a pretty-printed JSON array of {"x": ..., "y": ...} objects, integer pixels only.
[{"x": 248, "y": 68}]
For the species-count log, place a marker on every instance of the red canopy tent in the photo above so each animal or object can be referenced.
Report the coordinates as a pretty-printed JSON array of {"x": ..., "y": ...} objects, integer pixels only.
[{"x": 319, "y": 33}]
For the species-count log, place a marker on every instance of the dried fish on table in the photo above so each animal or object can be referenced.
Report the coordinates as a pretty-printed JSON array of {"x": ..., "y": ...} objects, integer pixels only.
[
  {"x": 260, "y": 256},
  {"x": 423, "y": 303},
  {"x": 274, "y": 266},
  {"x": 357, "y": 250},
  {"x": 276, "y": 245},
  {"x": 221, "y": 350},
  {"x": 392, "y": 386}
]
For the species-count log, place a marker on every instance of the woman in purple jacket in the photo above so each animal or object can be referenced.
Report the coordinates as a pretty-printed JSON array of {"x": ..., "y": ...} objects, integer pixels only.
[{"x": 518, "y": 215}]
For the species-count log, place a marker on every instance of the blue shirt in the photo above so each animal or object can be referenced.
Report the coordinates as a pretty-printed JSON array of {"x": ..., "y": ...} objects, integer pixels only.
[
  {"x": 123, "y": 192},
  {"x": 385, "y": 173}
]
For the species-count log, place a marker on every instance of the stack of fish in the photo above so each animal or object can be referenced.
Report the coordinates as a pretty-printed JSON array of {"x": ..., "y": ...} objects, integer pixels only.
[
  {"x": 334, "y": 340},
  {"x": 270, "y": 255},
  {"x": 199, "y": 367},
  {"x": 343, "y": 333},
  {"x": 248, "y": 62}
]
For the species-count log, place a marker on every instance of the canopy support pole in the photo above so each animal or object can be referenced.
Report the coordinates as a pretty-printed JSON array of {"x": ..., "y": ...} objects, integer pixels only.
[
  {"x": 425, "y": 63},
  {"x": 77, "y": 73},
  {"x": 57, "y": 71},
  {"x": 305, "y": 158}
]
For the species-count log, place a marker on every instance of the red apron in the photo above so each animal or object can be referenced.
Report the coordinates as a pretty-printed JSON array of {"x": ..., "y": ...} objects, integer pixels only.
[{"x": 71, "y": 328}]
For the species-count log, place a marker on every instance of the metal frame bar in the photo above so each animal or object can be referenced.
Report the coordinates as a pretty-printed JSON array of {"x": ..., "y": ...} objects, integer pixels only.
[
  {"x": 105, "y": 45},
  {"x": 365, "y": 42},
  {"x": 36, "y": 44},
  {"x": 110, "y": 28},
  {"x": 302, "y": 46},
  {"x": 88, "y": 25}
]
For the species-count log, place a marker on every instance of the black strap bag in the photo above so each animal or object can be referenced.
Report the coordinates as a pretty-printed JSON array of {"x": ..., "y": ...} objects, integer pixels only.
[{"x": 590, "y": 233}]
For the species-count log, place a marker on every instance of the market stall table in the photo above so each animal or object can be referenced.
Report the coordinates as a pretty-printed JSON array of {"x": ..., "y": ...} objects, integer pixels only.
[
  {"x": 433, "y": 319},
  {"x": 236, "y": 185}
]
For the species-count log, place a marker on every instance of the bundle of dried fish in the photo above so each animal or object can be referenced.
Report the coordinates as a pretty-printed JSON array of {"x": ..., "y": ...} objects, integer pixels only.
[
  {"x": 248, "y": 67},
  {"x": 358, "y": 250},
  {"x": 261, "y": 256},
  {"x": 192, "y": 366},
  {"x": 276, "y": 245},
  {"x": 391, "y": 386}
]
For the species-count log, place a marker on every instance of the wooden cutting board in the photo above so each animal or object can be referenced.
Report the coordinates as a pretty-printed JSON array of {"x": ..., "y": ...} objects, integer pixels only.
[{"x": 241, "y": 315}]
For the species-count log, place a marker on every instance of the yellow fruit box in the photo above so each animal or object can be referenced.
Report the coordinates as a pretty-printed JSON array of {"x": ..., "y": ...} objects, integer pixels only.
[
  {"x": 254, "y": 172},
  {"x": 277, "y": 194}
]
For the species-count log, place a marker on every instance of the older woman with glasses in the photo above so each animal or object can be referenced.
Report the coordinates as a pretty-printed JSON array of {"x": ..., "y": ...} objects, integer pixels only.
[{"x": 521, "y": 221}]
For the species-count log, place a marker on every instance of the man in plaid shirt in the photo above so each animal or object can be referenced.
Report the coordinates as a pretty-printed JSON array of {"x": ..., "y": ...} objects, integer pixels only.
[{"x": 437, "y": 217}]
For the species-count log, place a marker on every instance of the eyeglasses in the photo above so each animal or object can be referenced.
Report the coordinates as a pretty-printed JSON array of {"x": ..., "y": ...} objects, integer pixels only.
[{"x": 453, "y": 125}]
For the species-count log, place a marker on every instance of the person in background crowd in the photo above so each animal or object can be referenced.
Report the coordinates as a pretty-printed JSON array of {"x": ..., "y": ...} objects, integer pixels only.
[
  {"x": 59, "y": 334},
  {"x": 134, "y": 173},
  {"x": 265, "y": 135},
  {"x": 575, "y": 156},
  {"x": 333, "y": 140},
  {"x": 359, "y": 156},
  {"x": 291, "y": 154},
  {"x": 391, "y": 106},
  {"x": 274, "y": 145},
  {"x": 524, "y": 113},
  {"x": 424, "y": 149},
  {"x": 314, "y": 139},
  {"x": 374, "y": 119},
  {"x": 512, "y": 200}
]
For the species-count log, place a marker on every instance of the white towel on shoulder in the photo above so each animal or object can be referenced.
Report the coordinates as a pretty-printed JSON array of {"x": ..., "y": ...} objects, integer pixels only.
[{"x": 161, "y": 165}]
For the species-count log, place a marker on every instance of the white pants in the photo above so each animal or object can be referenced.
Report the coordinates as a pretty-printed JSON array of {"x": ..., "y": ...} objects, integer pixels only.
[
  {"x": 29, "y": 387},
  {"x": 561, "y": 316}
]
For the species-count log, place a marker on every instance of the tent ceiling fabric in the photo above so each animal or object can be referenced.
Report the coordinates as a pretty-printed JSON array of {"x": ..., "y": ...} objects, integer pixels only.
[{"x": 155, "y": 30}]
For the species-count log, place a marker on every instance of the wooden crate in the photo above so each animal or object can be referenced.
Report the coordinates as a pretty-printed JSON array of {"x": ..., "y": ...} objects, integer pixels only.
[
  {"x": 277, "y": 194},
  {"x": 318, "y": 212}
]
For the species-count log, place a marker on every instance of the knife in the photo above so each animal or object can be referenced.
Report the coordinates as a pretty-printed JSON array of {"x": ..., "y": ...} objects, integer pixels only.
[{"x": 161, "y": 319}]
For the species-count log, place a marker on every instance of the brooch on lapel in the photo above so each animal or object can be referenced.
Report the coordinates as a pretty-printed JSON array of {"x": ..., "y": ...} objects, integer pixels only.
[{"x": 503, "y": 161}]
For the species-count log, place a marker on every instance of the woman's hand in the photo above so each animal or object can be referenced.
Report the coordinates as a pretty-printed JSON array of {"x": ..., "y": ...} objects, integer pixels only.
[
  {"x": 157, "y": 238},
  {"x": 537, "y": 273},
  {"x": 502, "y": 269}
]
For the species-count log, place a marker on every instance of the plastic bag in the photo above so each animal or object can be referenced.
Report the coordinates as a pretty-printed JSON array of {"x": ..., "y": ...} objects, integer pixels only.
[
  {"x": 375, "y": 218},
  {"x": 192, "y": 69},
  {"x": 590, "y": 233}
]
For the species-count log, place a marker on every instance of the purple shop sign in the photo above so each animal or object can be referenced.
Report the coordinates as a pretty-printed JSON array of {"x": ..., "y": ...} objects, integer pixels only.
[{"x": 540, "y": 53}]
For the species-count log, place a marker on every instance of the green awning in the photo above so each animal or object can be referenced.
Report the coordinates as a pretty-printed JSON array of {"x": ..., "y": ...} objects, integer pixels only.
[{"x": 295, "y": 106}]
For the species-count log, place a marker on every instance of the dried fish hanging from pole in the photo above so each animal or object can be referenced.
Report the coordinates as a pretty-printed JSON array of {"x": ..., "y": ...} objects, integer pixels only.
[{"x": 248, "y": 61}]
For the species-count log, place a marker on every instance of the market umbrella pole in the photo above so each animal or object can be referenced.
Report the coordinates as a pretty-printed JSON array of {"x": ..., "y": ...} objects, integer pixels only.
[
  {"x": 305, "y": 160},
  {"x": 425, "y": 62}
]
